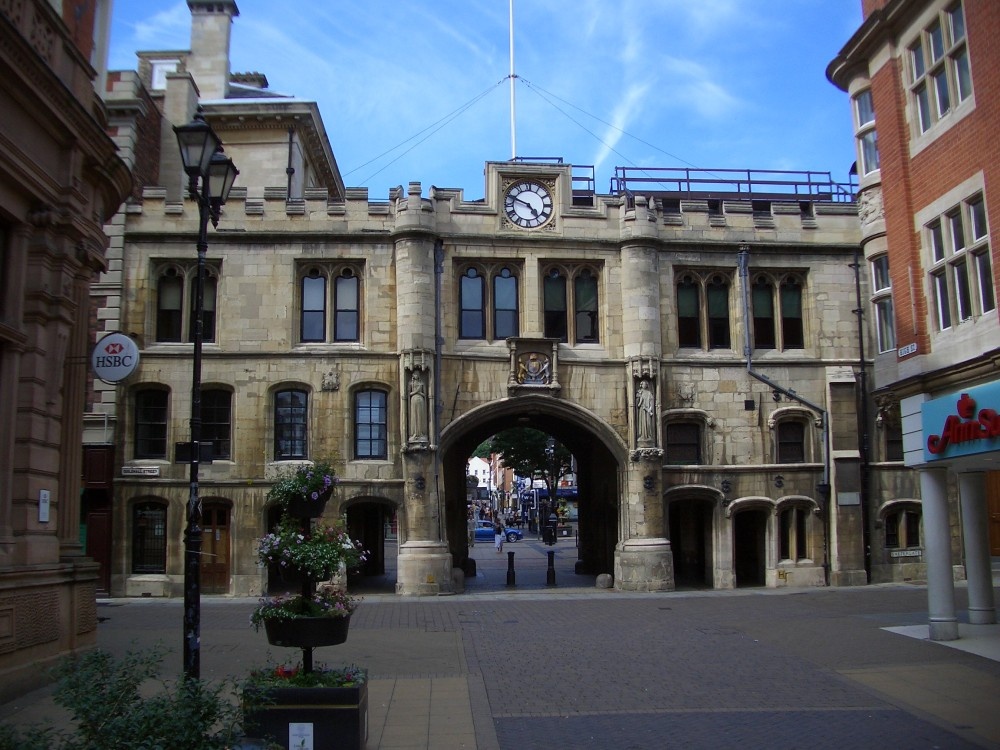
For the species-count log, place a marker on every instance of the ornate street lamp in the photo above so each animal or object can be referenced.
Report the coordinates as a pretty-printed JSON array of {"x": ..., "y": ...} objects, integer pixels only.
[{"x": 204, "y": 161}]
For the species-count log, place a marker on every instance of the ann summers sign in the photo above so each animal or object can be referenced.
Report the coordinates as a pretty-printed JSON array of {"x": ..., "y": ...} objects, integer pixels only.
[
  {"x": 962, "y": 424},
  {"x": 115, "y": 357}
]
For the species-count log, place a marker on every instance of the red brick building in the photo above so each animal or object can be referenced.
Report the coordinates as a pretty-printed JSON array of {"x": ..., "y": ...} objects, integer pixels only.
[{"x": 925, "y": 98}]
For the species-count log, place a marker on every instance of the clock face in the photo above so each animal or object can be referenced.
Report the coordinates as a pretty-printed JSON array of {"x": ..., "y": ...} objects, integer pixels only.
[{"x": 528, "y": 204}]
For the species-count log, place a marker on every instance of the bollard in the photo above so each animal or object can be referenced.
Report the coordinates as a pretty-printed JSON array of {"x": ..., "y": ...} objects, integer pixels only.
[
  {"x": 550, "y": 574},
  {"x": 510, "y": 569}
]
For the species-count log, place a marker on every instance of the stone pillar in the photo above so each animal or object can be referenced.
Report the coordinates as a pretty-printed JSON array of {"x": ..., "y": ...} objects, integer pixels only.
[
  {"x": 643, "y": 558},
  {"x": 978, "y": 573},
  {"x": 937, "y": 542},
  {"x": 424, "y": 562}
]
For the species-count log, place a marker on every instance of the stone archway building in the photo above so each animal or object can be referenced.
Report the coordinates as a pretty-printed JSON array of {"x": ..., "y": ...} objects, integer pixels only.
[{"x": 395, "y": 335}]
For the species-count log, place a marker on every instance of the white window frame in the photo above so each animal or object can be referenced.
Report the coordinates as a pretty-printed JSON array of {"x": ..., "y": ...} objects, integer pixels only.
[
  {"x": 959, "y": 264},
  {"x": 865, "y": 133},
  {"x": 938, "y": 67},
  {"x": 885, "y": 321}
]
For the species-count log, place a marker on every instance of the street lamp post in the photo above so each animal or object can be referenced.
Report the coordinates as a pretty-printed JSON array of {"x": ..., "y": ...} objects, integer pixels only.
[{"x": 201, "y": 153}]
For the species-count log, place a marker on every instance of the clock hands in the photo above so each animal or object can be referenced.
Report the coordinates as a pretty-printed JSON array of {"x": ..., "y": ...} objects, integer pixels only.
[{"x": 519, "y": 199}]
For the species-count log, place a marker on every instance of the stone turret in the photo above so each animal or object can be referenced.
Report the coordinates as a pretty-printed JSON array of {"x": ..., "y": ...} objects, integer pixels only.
[{"x": 211, "y": 23}]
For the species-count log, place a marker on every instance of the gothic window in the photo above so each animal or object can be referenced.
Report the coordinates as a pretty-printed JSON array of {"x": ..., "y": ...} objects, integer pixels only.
[
  {"x": 330, "y": 289},
  {"x": 290, "y": 424},
  {"x": 703, "y": 310},
  {"x": 150, "y": 437},
  {"x": 473, "y": 294},
  {"x": 371, "y": 428},
  {"x": 149, "y": 538},
  {"x": 488, "y": 302},
  {"x": 571, "y": 305},
  {"x": 176, "y": 300}
]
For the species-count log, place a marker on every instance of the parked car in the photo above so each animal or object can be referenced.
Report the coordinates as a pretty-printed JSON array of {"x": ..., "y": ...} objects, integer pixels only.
[{"x": 484, "y": 532}]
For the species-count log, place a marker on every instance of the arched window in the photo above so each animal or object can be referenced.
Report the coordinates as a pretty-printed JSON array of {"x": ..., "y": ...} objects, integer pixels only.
[
  {"x": 169, "y": 306},
  {"x": 216, "y": 421},
  {"x": 554, "y": 293},
  {"x": 313, "y": 306},
  {"x": 346, "y": 306},
  {"x": 290, "y": 424},
  {"x": 371, "y": 426},
  {"x": 473, "y": 304},
  {"x": 688, "y": 313},
  {"x": 315, "y": 288},
  {"x": 505, "y": 316},
  {"x": 763, "y": 314},
  {"x": 150, "y": 435},
  {"x": 207, "y": 308},
  {"x": 149, "y": 538},
  {"x": 792, "y": 334},
  {"x": 585, "y": 304},
  {"x": 717, "y": 292}
]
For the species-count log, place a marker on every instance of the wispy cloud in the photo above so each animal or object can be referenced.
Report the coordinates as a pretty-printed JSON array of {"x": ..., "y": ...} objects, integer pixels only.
[{"x": 621, "y": 118}]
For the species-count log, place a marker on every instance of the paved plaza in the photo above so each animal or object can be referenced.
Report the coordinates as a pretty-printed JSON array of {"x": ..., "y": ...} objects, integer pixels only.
[{"x": 573, "y": 666}]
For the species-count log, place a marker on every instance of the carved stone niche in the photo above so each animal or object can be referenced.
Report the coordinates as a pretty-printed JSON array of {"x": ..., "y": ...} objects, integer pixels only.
[{"x": 534, "y": 365}]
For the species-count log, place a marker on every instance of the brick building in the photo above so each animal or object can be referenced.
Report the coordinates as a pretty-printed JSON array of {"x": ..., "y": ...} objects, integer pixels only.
[
  {"x": 60, "y": 180},
  {"x": 688, "y": 336},
  {"x": 925, "y": 95}
]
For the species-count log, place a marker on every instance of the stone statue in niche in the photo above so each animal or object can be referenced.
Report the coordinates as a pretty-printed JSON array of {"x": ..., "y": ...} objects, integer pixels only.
[
  {"x": 418, "y": 407},
  {"x": 645, "y": 414},
  {"x": 533, "y": 369}
]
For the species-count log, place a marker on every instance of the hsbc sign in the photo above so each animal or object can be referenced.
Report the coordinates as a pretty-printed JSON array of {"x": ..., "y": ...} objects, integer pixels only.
[{"x": 115, "y": 357}]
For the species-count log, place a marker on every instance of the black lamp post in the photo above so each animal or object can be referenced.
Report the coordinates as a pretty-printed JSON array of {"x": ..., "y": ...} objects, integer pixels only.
[{"x": 201, "y": 153}]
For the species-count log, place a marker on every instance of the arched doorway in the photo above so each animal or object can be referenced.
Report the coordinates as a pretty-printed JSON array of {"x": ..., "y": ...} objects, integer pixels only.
[
  {"x": 600, "y": 458},
  {"x": 750, "y": 547},
  {"x": 690, "y": 523}
]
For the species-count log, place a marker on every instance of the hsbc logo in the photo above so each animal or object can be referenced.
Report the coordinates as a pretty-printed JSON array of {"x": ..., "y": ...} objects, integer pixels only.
[{"x": 115, "y": 357}]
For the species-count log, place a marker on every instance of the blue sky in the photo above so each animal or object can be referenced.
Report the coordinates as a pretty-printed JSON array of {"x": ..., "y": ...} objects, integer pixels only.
[{"x": 416, "y": 91}]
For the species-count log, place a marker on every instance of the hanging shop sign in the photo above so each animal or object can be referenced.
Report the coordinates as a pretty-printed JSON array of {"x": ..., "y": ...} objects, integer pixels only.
[
  {"x": 962, "y": 424},
  {"x": 114, "y": 358}
]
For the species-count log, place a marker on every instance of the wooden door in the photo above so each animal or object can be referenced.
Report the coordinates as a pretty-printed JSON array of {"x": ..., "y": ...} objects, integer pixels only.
[
  {"x": 215, "y": 549},
  {"x": 993, "y": 510},
  {"x": 99, "y": 546}
]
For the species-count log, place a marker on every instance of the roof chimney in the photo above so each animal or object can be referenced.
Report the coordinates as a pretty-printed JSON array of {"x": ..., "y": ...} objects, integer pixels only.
[{"x": 211, "y": 22}]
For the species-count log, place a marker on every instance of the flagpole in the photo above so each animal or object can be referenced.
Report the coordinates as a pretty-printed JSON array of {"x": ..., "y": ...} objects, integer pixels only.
[{"x": 513, "y": 128}]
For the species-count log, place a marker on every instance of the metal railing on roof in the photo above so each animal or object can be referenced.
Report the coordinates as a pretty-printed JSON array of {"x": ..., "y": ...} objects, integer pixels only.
[{"x": 732, "y": 184}]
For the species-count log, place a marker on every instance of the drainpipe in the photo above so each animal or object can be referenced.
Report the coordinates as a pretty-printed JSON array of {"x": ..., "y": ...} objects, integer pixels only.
[
  {"x": 863, "y": 417},
  {"x": 743, "y": 262},
  {"x": 289, "y": 170}
]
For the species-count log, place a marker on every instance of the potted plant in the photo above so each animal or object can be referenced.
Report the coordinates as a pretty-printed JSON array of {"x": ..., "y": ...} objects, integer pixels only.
[
  {"x": 322, "y": 707},
  {"x": 303, "y": 493},
  {"x": 333, "y": 700}
]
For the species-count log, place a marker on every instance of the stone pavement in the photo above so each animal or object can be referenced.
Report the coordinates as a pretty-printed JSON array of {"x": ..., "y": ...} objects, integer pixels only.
[{"x": 578, "y": 667}]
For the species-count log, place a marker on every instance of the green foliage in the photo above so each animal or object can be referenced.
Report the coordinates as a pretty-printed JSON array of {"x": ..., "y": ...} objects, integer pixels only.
[
  {"x": 310, "y": 482},
  {"x": 321, "y": 676},
  {"x": 114, "y": 706},
  {"x": 525, "y": 450},
  {"x": 329, "y": 602}
]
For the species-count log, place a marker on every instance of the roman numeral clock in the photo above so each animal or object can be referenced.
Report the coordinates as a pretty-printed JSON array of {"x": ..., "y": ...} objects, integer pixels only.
[{"x": 528, "y": 204}]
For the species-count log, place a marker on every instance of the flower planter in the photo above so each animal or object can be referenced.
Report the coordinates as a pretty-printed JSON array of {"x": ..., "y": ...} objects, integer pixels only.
[
  {"x": 307, "y": 632},
  {"x": 338, "y": 715},
  {"x": 302, "y": 506}
]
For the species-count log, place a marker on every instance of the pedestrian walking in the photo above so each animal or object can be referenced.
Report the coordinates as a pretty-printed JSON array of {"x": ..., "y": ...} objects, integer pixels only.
[{"x": 498, "y": 535}]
